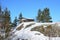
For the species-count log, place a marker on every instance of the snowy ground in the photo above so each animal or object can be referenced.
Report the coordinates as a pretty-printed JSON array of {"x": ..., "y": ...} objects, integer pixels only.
[{"x": 25, "y": 33}]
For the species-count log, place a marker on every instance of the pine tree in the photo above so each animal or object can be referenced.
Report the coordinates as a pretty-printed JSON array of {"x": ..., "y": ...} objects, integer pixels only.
[
  {"x": 7, "y": 22},
  {"x": 47, "y": 17},
  {"x": 1, "y": 37},
  {"x": 15, "y": 22},
  {"x": 0, "y": 9},
  {"x": 44, "y": 16},
  {"x": 39, "y": 15},
  {"x": 20, "y": 17}
]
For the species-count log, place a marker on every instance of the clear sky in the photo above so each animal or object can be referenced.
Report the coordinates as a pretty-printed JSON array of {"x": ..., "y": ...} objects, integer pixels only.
[{"x": 29, "y": 8}]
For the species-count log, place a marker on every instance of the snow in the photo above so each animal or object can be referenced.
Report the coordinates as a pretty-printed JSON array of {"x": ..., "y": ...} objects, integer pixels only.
[{"x": 25, "y": 33}]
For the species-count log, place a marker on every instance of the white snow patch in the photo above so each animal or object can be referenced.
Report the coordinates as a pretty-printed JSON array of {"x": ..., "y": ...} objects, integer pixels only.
[{"x": 25, "y": 33}]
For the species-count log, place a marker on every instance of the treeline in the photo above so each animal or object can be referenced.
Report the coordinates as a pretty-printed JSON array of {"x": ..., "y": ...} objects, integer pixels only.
[{"x": 42, "y": 16}]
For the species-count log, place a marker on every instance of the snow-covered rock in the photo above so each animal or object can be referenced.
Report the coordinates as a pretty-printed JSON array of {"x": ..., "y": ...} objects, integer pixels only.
[{"x": 26, "y": 33}]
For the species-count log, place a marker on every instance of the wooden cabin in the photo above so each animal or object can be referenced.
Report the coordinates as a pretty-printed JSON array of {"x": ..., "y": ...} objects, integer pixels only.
[{"x": 26, "y": 20}]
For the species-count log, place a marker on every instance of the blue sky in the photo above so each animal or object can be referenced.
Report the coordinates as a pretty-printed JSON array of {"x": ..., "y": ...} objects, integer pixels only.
[{"x": 29, "y": 8}]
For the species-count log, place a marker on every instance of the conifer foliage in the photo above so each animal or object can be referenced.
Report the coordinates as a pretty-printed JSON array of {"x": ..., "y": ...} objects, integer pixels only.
[
  {"x": 15, "y": 22},
  {"x": 20, "y": 17},
  {"x": 7, "y": 22},
  {"x": 44, "y": 16}
]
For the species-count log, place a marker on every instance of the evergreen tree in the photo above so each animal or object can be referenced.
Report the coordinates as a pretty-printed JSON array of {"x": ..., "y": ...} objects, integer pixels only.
[
  {"x": 47, "y": 17},
  {"x": 0, "y": 9},
  {"x": 1, "y": 37},
  {"x": 15, "y": 22},
  {"x": 39, "y": 15},
  {"x": 20, "y": 17},
  {"x": 44, "y": 16},
  {"x": 7, "y": 22},
  {"x": 1, "y": 12}
]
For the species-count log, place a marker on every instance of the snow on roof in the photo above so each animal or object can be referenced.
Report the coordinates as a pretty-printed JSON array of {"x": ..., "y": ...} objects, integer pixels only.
[{"x": 26, "y": 18}]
